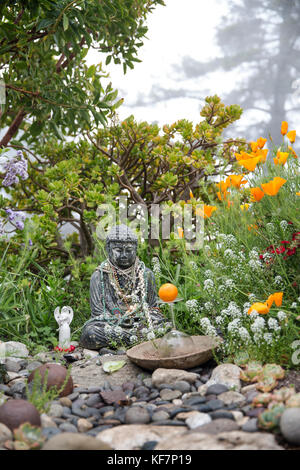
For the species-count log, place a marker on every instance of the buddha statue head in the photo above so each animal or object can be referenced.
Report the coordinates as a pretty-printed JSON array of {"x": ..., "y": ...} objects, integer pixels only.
[{"x": 121, "y": 246}]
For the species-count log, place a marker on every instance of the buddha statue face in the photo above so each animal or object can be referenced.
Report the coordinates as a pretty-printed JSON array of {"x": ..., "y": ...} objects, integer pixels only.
[
  {"x": 122, "y": 254},
  {"x": 121, "y": 246}
]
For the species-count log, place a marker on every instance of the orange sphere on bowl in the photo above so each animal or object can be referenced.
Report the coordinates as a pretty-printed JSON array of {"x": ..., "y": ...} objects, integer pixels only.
[{"x": 168, "y": 292}]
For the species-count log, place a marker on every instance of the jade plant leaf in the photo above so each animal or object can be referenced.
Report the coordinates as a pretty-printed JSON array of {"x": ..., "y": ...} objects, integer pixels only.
[{"x": 113, "y": 366}]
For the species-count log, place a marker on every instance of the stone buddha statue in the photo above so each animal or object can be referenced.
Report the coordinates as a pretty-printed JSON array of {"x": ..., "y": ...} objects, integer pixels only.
[{"x": 123, "y": 297}]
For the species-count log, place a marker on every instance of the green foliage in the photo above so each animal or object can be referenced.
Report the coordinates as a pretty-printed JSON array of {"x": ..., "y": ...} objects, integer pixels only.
[
  {"x": 68, "y": 182},
  {"x": 43, "y": 47}
]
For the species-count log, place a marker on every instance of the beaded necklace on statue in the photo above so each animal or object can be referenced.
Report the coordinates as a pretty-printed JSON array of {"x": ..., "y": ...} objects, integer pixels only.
[{"x": 136, "y": 287}]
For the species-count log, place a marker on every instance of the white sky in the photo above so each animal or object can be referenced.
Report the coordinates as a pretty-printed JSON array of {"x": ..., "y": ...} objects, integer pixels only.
[{"x": 182, "y": 27}]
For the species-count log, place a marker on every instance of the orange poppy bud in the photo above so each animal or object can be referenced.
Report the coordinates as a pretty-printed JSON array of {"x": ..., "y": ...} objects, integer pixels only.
[{"x": 284, "y": 127}]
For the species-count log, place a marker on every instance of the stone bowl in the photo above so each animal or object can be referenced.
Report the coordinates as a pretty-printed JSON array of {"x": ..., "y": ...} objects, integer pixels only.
[{"x": 146, "y": 356}]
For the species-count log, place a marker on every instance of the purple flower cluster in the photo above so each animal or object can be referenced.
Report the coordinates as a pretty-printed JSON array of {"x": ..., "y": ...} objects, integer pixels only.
[
  {"x": 15, "y": 168},
  {"x": 13, "y": 216}
]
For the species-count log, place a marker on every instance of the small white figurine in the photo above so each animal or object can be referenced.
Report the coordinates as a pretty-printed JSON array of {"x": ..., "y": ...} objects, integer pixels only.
[{"x": 64, "y": 318}]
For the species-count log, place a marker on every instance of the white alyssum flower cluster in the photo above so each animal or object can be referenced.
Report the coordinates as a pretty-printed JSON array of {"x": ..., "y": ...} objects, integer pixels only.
[
  {"x": 207, "y": 327},
  {"x": 208, "y": 285}
]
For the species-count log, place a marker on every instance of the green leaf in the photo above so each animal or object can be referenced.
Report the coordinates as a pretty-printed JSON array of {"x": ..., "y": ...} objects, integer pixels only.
[
  {"x": 113, "y": 366},
  {"x": 65, "y": 22}
]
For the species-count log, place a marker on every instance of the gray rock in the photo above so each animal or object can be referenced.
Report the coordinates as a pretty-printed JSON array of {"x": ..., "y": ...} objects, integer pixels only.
[
  {"x": 50, "y": 432},
  {"x": 232, "y": 397},
  {"x": 16, "y": 349},
  {"x": 170, "y": 376},
  {"x": 33, "y": 365},
  {"x": 148, "y": 382},
  {"x": 215, "y": 404},
  {"x": 55, "y": 410},
  {"x": 160, "y": 416},
  {"x": 47, "y": 422},
  {"x": 12, "y": 366},
  {"x": 84, "y": 425},
  {"x": 250, "y": 425},
  {"x": 68, "y": 427},
  {"x": 217, "y": 426},
  {"x": 216, "y": 389},
  {"x": 197, "y": 419},
  {"x": 290, "y": 425},
  {"x": 225, "y": 374},
  {"x": 169, "y": 395},
  {"x": 221, "y": 414},
  {"x": 5, "y": 434},
  {"x": 183, "y": 386},
  {"x": 137, "y": 415}
]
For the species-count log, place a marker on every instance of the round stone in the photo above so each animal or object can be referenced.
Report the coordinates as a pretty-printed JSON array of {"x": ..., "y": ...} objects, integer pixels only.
[
  {"x": 216, "y": 389},
  {"x": 250, "y": 426},
  {"x": 13, "y": 413},
  {"x": 56, "y": 377},
  {"x": 215, "y": 404},
  {"x": 160, "y": 416},
  {"x": 170, "y": 394},
  {"x": 55, "y": 410},
  {"x": 137, "y": 415},
  {"x": 182, "y": 386},
  {"x": 290, "y": 425},
  {"x": 68, "y": 427},
  {"x": 84, "y": 425},
  {"x": 197, "y": 420}
]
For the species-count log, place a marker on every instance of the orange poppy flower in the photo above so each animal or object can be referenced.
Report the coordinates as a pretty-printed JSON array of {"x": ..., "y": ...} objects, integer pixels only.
[
  {"x": 236, "y": 180},
  {"x": 298, "y": 194},
  {"x": 281, "y": 158},
  {"x": 259, "y": 307},
  {"x": 263, "y": 155},
  {"x": 256, "y": 194},
  {"x": 291, "y": 135},
  {"x": 206, "y": 211},
  {"x": 272, "y": 188},
  {"x": 261, "y": 142},
  {"x": 243, "y": 156},
  {"x": 278, "y": 298},
  {"x": 284, "y": 127},
  {"x": 249, "y": 164},
  {"x": 254, "y": 146}
]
